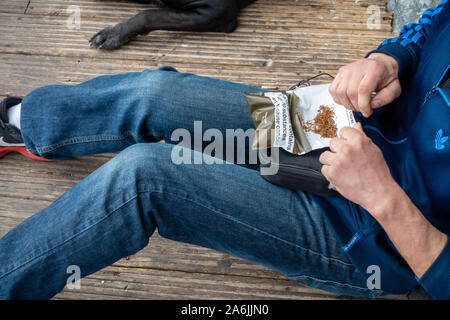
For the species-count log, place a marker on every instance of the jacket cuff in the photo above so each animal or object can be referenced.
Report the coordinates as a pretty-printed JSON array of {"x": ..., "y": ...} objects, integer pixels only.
[
  {"x": 436, "y": 280},
  {"x": 406, "y": 59}
]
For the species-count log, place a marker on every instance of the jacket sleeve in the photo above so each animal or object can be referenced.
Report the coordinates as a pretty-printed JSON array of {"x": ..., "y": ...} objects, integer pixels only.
[
  {"x": 406, "y": 48},
  {"x": 436, "y": 280}
]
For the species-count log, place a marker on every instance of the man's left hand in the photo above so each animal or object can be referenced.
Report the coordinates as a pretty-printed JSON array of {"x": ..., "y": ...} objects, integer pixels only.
[{"x": 355, "y": 166}]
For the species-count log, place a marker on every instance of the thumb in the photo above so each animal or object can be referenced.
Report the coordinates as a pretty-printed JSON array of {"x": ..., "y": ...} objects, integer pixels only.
[{"x": 386, "y": 95}]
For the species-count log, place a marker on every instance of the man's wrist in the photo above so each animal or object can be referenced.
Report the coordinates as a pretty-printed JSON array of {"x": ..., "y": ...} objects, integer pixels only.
[
  {"x": 387, "y": 205},
  {"x": 417, "y": 240},
  {"x": 390, "y": 62}
]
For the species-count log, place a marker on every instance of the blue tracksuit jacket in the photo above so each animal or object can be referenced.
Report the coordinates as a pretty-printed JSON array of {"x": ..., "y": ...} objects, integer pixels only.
[{"x": 413, "y": 134}]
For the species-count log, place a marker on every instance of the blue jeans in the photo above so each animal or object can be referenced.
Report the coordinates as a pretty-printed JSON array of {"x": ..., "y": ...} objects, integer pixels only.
[{"x": 113, "y": 212}]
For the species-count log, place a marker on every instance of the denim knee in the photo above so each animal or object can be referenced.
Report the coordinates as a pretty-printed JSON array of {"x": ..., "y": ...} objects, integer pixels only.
[
  {"x": 141, "y": 162},
  {"x": 139, "y": 156},
  {"x": 161, "y": 80}
]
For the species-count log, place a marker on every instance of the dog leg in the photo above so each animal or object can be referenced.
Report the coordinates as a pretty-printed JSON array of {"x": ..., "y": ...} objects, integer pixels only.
[{"x": 213, "y": 17}]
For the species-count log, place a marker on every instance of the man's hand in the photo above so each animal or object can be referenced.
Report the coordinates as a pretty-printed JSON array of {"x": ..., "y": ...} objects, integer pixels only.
[
  {"x": 355, "y": 83},
  {"x": 356, "y": 168}
]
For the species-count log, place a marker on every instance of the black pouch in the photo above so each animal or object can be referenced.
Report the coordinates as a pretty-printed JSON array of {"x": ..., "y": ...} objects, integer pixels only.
[{"x": 298, "y": 172}]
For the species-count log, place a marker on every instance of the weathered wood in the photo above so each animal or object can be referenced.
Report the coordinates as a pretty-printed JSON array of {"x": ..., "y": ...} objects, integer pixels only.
[
  {"x": 276, "y": 44},
  {"x": 278, "y": 55},
  {"x": 138, "y": 283}
]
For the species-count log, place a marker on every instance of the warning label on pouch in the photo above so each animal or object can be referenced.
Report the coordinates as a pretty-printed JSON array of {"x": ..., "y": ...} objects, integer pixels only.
[{"x": 284, "y": 135}]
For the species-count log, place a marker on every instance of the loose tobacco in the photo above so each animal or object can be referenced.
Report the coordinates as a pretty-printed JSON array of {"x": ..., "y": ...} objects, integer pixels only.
[{"x": 323, "y": 124}]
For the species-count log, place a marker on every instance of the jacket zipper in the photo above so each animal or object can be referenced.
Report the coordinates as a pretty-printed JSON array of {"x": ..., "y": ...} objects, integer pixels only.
[{"x": 429, "y": 94}]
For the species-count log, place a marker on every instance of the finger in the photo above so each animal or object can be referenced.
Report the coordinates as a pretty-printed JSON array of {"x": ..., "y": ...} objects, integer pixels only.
[
  {"x": 348, "y": 133},
  {"x": 324, "y": 171},
  {"x": 326, "y": 158},
  {"x": 336, "y": 144},
  {"x": 368, "y": 85},
  {"x": 358, "y": 127},
  {"x": 342, "y": 93},
  {"x": 352, "y": 91},
  {"x": 333, "y": 87},
  {"x": 387, "y": 95}
]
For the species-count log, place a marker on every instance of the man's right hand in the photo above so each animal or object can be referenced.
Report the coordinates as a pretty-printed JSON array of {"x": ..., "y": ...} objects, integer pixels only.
[{"x": 355, "y": 82}]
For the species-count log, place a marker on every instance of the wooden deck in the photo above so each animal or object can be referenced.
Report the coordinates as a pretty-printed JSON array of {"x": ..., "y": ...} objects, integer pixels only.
[{"x": 276, "y": 44}]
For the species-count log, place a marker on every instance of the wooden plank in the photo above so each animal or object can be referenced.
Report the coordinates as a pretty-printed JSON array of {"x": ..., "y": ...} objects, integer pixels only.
[
  {"x": 294, "y": 50},
  {"x": 20, "y": 79},
  {"x": 118, "y": 282},
  {"x": 14, "y": 6},
  {"x": 53, "y": 34}
]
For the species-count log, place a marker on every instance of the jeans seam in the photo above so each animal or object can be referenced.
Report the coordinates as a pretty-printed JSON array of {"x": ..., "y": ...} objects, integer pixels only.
[
  {"x": 261, "y": 231},
  {"x": 294, "y": 278},
  {"x": 79, "y": 140}
]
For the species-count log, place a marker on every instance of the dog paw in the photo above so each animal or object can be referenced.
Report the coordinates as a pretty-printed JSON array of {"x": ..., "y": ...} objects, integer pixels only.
[{"x": 109, "y": 38}]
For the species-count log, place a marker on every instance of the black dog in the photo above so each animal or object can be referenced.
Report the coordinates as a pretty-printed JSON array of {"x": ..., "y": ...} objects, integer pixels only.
[{"x": 183, "y": 15}]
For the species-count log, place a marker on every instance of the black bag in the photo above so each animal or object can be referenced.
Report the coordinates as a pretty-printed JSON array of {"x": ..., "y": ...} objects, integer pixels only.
[{"x": 298, "y": 172}]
